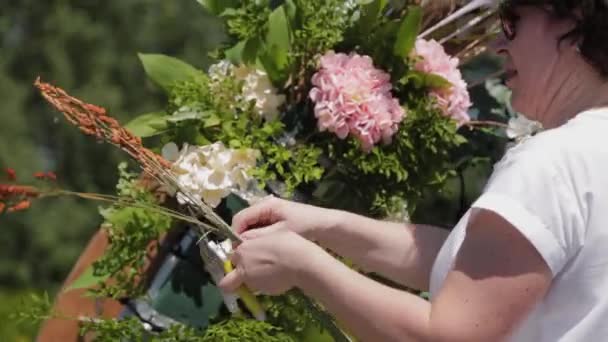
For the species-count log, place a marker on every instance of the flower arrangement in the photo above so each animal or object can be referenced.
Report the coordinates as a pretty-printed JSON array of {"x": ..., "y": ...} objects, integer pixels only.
[{"x": 336, "y": 103}]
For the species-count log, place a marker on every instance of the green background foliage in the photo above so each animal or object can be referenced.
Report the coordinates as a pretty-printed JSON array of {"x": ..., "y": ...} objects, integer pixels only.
[{"x": 89, "y": 48}]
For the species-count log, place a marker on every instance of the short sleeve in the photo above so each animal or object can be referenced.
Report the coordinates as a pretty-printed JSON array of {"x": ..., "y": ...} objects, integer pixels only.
[{"x": 529, "y": 190}]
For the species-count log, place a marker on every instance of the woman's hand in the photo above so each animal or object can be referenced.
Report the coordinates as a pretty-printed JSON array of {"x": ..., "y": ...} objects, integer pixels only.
[
  {"x": 271, "y": 262},
  {"x": 306, "y": 220}
]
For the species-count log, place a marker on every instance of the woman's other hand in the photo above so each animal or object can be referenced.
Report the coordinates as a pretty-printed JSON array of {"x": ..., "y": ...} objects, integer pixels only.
[{"x": 306, "y": 220}]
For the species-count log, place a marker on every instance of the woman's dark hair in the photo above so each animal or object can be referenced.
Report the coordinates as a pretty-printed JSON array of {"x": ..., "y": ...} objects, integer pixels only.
[{"x": 591, "y": 30}]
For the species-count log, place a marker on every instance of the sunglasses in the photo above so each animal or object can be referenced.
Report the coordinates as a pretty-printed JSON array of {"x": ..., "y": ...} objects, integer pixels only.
[{"x": 508, "y": 22}]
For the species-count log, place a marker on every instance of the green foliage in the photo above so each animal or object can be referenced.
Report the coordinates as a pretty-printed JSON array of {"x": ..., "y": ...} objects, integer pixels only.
[
  {"x": 420, "y": 80},
  {"x": 148, "y": 125},
  {"x": 90, "y": 49},
  {"x": 217, "y": 6},
  {"x": 318, "y": 26},
  {"x": 408, "y": 32},
  {"x": 30, "y": 310},
  {"x": 286, "y": 41},
  {"x": 299, "y": 317},
  {"x": 214, "y": 113},
  {"x": 369, "y": 16},
  {"x": 111, "y": 330},
  {"x": 131, "y": 329},
  {"x": 165, "y": 71},
  {"x": 275, "y": 52},
  {"x": 235, "y": 330},
  {"x": 130, "y": 230},
  {"x": 87, "y": 279},
  {"x": 248, "y": 21},
  {"x": 388, "y": 40},
  {"x": 12, "y": 327},
  {"x": 416, "y": 160}
]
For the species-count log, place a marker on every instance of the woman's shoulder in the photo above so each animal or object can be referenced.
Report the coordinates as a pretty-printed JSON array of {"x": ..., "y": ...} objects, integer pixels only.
[
  {"x": 575, "y": 151},
  {"x": 545, "y": 148},
  {"x": 572, "y": 140}
]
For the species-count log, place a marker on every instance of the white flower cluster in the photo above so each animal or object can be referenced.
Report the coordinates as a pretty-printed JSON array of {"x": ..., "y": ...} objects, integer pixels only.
[
  {"x": 220, "y": 70},
  {"x": 521, "y": 128},
  {"x": 257, "y": 87},
  {"x": 210, "y": 172}
]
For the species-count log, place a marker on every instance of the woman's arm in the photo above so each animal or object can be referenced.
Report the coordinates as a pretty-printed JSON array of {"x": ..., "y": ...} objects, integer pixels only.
[
  {"x": 401, "y": 252},
  {"x": 497, "y": 279}
]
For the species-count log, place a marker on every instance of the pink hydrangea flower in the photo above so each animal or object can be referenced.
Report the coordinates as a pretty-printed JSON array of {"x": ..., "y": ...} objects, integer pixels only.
[
  {"x": 352, "y": 97},
  {"x": 454, "y": 101}
]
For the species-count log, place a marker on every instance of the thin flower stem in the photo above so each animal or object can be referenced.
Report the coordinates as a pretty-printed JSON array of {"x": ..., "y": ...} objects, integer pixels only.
[
  {"x": 480, "y": 123},
  {"x": 133, "y": 204}
]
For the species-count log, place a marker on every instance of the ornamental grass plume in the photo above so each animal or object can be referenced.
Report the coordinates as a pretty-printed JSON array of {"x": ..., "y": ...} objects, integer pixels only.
[
  {"x": 94, "y": 121},
  {"x": 352, "y": 97},
  {"x": 15, "y": 197}
]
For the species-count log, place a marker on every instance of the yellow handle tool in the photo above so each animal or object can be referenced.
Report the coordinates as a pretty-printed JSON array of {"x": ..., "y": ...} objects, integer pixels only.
[{"x": 250, "y": 301}]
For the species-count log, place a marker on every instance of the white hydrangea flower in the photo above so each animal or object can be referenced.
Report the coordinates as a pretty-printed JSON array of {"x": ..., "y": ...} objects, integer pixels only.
[
  {"x": 210, "y": 172},
  {"x": 220, "y": 70},
  {"x": 257, "y": 87},
  {"x": 520, "y": 128}
]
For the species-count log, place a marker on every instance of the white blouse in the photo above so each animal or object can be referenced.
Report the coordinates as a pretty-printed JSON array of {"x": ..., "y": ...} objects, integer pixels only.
[{"x": 553, "y": 188}]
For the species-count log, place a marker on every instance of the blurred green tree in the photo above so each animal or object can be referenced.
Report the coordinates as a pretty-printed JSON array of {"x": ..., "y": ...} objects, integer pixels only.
[{"x": 89, "y": 48}]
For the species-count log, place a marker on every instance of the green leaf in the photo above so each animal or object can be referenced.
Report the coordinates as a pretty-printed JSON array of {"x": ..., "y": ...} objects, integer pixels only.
[
  {"x": 188, "y": 114},
  {"x": 436, "y": 82},
  {"x": 408, "y": 31},
  {"x": 278, "y": 29},
  {"x": 370, "y": 12},
  {"x": 291, "y": 9},
  {"x": 251, "y": 50},
  {"x": 166, "y": 71},
  {"x": 212, "y": 121},
  {"x": 275, "y": 56},
  {"x": 216, "y": 7},
  {"x": 148, "y": 125},
  {"x": 423, "y": 80},
  {"x": 86, "y": 280},
  {"x": 268, "y": 64},
  {"x": 229, "y": 12},
  {"x": 235, "y": 53}
]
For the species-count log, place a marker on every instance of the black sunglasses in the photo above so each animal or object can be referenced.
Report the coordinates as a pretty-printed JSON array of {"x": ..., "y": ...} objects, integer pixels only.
[{"x": 508, "y": 20}]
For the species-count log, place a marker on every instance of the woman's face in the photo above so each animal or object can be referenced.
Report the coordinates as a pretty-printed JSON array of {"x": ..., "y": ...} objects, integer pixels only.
[{"x": 534, "y": 62}]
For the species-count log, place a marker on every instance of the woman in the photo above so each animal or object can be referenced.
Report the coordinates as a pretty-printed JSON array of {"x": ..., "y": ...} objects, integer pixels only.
[{"x": 527, "y": 262}]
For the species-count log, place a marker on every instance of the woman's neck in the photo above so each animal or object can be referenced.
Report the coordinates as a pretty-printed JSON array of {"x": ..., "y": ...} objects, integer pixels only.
[{"x": 580, "y": 89}]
